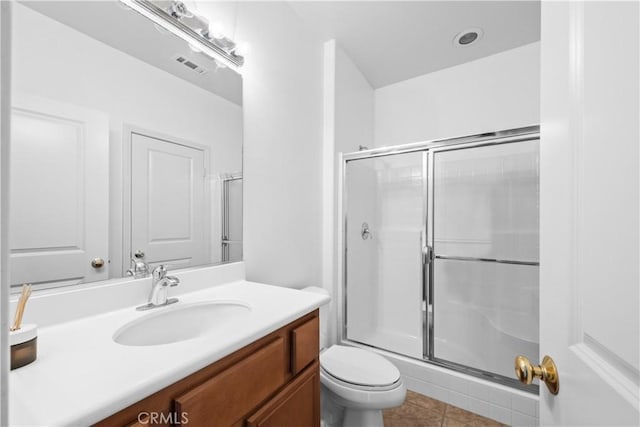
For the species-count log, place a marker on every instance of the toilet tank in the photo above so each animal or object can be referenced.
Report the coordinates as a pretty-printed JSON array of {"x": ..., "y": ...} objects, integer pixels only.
[{"x": 324, "y": 316}]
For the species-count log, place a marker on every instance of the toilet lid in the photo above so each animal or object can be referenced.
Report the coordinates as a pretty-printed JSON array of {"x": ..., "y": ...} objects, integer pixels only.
[{"x": 357, "y": 366}]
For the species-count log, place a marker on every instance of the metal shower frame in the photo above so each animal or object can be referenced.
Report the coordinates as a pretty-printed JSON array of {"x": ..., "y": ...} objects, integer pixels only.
[
  {"x": 428, "y": 148},
  {"x": 225, "y": 182}
]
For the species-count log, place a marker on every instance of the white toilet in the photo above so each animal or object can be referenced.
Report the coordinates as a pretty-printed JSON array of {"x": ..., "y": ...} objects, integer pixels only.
[{"x": 359, "y": 381}]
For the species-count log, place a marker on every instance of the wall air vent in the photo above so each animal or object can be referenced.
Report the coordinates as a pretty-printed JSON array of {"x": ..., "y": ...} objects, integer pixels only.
[{"x": 190, "y": 64}]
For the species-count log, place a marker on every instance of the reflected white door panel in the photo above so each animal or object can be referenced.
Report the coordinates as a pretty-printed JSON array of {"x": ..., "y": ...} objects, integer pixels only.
[
  {"x": 59, "y": 193},
  {"x": 168, "y": 202}
]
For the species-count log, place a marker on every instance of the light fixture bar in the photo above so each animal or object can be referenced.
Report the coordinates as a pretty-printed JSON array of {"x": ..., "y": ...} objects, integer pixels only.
[{"x": 174, "y": 26}]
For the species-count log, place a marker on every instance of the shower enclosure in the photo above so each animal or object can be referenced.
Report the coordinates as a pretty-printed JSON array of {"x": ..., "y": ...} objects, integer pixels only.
[
  {"x": 441, "y": 251},
  {"x": 231, "y": 217}
]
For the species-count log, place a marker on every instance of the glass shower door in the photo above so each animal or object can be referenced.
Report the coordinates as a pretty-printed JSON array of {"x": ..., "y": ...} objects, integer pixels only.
[
  {"x": 385, "y": 208},
  {"x": 485, "y": 240},
  {"x": 231, "y": 212}
]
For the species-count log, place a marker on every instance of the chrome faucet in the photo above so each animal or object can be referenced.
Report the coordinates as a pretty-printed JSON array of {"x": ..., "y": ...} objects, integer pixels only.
[
  {"x": 140, "y": 269},
  {"x": 161, "y": 283}
]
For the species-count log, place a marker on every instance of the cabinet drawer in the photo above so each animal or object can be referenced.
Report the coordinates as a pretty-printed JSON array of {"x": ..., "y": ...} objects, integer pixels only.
[
  {"x": 227, "y": 397},
  {"x": 304, "y": 345},
  {"x": 298, "y": 404}
]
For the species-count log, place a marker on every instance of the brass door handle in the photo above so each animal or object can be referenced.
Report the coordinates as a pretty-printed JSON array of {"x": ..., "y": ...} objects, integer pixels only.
[
  {"x": 546, "y": 371},
  {"x": 97, "y": 263}
]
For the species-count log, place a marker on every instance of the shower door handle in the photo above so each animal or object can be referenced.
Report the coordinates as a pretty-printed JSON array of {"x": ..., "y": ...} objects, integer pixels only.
[
  {"x": 427, "y": 254},
  {"x": 427, "y": 251}
]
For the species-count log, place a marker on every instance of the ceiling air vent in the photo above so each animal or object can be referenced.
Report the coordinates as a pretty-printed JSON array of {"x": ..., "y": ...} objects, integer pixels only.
[{"x": 190, "y": 64}]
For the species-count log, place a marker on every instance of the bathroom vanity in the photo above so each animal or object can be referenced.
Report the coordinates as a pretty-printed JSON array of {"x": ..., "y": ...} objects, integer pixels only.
[
  {"x": 271, "y": 382},
  {"x": 229, "y": 352}
]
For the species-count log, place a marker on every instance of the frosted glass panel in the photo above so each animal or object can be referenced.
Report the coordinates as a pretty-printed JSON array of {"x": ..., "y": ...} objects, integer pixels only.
[
  {"x": 384, "y": 271},
  {"x": 485, "y": 210},
  {"x": 485, "y": 313},
  {"x": 486, "y": 202},
  {"x": 483, "y": 282}
]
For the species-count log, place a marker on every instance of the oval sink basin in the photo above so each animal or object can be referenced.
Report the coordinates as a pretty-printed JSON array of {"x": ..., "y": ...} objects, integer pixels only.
[{"x": 180, "y": 323}]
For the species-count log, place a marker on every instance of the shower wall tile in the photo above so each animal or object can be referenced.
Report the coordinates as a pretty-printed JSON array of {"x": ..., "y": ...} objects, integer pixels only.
[
  {"x": 500, "y": 414},
  {"x": 458, "y": 384},
  {"x": 434, "y": 375},
  {"x": 494, "y": 401},
  {"x": 460, "y": 400},
  {"x": 525, "y": 405},
  {"x": 479, "y": 391},
  {"x": 500, "y": 397},
  {"x": 414, "y": 370},
  {"x": 518, "y": 419},
  {"x": 442, "y": 379},
  {"x": 480, "y": 407},
  {"x": 431, "y": 390}
]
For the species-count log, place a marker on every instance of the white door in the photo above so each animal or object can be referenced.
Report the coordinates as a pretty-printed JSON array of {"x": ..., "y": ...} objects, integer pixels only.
[
  {"x": 589, "y": 274},
  {"x": 169, "y": 213},
  {"x": 59, "y": 193}
]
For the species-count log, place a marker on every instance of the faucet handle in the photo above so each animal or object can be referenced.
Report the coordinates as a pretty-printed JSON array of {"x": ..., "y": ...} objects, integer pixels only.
[
  {"x": 160, "y": 272},
  {"x": 139, "y": 269},
  {"x": 173, "y": 281}
]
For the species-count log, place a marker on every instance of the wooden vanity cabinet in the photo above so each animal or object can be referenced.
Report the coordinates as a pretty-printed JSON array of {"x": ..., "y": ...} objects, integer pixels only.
[{"x": 274, "y": 381}]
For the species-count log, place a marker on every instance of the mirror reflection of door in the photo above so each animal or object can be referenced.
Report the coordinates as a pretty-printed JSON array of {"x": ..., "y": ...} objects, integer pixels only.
[
  {"x": 59, "y": 193},
  {"x": 231, "y": 222},
  {"x": 169, "y": 207}
]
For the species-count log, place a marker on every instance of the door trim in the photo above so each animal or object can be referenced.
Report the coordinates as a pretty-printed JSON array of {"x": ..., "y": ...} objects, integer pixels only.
[
  {"x": 127, "y": 136},
  {"x": 5, "y": 142}
]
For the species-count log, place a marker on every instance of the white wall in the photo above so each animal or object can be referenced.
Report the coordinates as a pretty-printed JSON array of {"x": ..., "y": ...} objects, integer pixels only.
[
  {"x": 348, "y": 123},
  {"x": 5, "y": 96},
  {"x": 354, "y": 106},
  {"x": 55, "y": 61},
  {"x": 282, "y": 99},
  {"x": 501, "y": 91}
]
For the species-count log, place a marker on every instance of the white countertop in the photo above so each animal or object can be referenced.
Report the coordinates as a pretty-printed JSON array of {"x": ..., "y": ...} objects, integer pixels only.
[{"x": 82, "y": 376}]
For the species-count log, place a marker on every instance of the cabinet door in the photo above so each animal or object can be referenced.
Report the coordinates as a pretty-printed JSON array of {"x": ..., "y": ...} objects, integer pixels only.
[
  {"x": 298, "y": 404},
  {"x": 305, "y": 345},
  {"x": 230, "y": 395}
]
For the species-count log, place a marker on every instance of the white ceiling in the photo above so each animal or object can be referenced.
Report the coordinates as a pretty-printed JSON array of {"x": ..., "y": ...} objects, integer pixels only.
[
  {"x": 391, "y": 41},
  {"x": 131, "y": 33}
]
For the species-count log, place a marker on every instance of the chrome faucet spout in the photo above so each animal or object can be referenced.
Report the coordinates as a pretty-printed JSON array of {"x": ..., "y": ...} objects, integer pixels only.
[{"x": 161, "y": 282}]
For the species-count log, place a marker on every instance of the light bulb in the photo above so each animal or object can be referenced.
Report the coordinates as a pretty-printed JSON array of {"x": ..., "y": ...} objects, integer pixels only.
[
  {"x": 216, "y": 30},
  {"x": 242, "y": 49}
]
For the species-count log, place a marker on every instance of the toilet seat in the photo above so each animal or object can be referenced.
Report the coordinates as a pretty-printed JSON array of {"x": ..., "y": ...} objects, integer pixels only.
[
  {"x": 328, "y": 377},
  {"x": 359, "y": 368}
]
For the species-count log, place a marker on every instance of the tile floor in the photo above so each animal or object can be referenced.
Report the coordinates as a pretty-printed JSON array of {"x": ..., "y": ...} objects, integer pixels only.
[{"x": 422, "y": 411}]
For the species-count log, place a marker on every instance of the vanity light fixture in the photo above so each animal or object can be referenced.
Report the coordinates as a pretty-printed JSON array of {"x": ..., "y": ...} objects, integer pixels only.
[{"x": 174, "y": 19}]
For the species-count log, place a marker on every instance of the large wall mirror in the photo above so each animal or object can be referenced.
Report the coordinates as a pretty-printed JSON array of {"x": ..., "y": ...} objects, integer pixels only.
[{"x": 126, "y": 146}]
